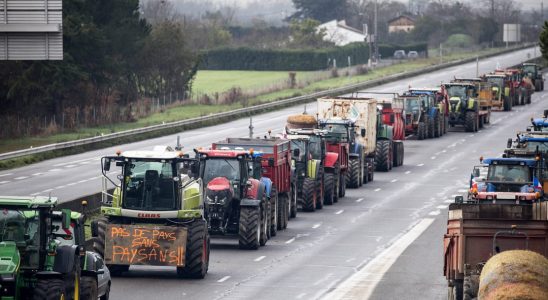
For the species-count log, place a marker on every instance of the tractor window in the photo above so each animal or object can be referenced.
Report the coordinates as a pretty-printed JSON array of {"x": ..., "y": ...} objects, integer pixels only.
[
  {"x": 509, "y": 173},
  {"x": 149, "y": 185},
  {"x": 23, "y": 228},
  {"x": 301, "y": 145},
  {"x": 456, "y": 91},
  {"x": 219, "y": 167},
  {"x": 498, "y": 81},
  {"x": 337, "y": 131},
  {"x": 412, "y": 105},
  {"x": 530, "y": 69},
  {"x": 532, "y": 146},
  {"x": 316, "y": 147}
]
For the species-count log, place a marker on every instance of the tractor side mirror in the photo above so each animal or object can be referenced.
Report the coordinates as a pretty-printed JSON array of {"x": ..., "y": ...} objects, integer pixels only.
[
  {"x": 195, "y": 168},
  {"x": 362, "y": 132},
  {"x": 509, "y": 143},
  {"x": 65, "y": 218},
  {"x": 296, "y": 152},
  {"x": 459, "y": 199},
  {"x": 106, "y": 164}
]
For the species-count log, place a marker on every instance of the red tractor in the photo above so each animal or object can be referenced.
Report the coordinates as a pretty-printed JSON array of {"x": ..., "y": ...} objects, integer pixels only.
[
  {"x": 235, "y": 202},
  {"x": 337, "y": 136},
  {"x": 274, "y": 157}
]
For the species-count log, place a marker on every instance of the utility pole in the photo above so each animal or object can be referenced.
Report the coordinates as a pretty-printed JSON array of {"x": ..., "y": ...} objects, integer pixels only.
[{"x": 376, "y": 38}]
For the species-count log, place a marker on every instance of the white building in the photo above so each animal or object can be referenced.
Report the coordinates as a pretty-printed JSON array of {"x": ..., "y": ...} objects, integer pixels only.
[{"x": 341, "y": 34}]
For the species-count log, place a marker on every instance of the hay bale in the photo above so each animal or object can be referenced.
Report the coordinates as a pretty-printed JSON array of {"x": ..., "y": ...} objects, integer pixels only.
[
  {"x": 301, "y": 121},
  {"x": 515, "y": 274}
]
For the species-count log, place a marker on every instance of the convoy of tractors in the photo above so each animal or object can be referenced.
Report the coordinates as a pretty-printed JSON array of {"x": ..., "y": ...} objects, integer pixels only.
[{"x": 164, "y": 205}]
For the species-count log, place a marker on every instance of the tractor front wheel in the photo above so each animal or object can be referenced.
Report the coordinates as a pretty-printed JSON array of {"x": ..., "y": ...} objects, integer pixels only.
[
  {"x": 470, "y": 121},
  {"x": 382, "y": 156},
  {"x": 309, "y": 194},
  {"x": 49, "y": 289},
  {"x": 249, "y": 233},
  {"x": 197, "y": 251},
  {"x": 329, "y": 184},
  {"x": 354, "y": 174}
]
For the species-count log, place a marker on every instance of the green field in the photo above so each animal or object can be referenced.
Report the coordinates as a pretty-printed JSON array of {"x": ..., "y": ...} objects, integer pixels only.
[{"x": 218, "y": 81}]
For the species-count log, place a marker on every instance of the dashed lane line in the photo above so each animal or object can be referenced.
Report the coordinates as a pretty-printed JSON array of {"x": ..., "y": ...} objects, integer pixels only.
[
  {"x": 47, "y": 191},
  {"x": 317, "y": 225},
  {"x": 290, "y": 241},
  {"x": 35, "y": 194},
  {"x": 6, "y": 174},
  {"x": 223, "y": 279},
  {"x": 359, "y": 200},
  {"x": 301, "y": 295},
  {"x": 21, "y": 177},
  {"x": 37, "y": 174},
  {"x": 434, "y": 213},
  {"x": 377, "y": 189},
  {"x": 408, "y": 172},
  {"x": 420, "y": 165},
  {"x": 4, "y": 182},
  {"x": 393, "y": 180},
  {"x": 339, "y": 212},
  {"x": 259, "y": 258},
  {"x": 441, "y": 206}
]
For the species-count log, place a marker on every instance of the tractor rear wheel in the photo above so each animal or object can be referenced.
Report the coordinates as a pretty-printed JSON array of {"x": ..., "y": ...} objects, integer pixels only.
[
  {"x": 197, "y": 251},
  {"x": 507, "y": 104},
  {"x": 431, "y": 128},
  {"x": 49, "y": 289},
  {"x": 329, "y": 184},
  {"x": 283, "y": 210},
  {"x": 354, "y": 174},
  {"x": 319, "y": 194},
  {"x": 437, "y": 126},
  {"x": 398, "y": 153},
  {"x": 249, "y": 233},
  {"x": 382, "y": 156},
  {"x": 470, "y": 121},
  {"x": 537, "y": 85},
  {"x": 265, "y": 223},
  {"x": 98, "y": 231},
  {"x": 88, "y": 288},
  {"x": 309, "y": 194},
  {"x": 274, "y": 211}
]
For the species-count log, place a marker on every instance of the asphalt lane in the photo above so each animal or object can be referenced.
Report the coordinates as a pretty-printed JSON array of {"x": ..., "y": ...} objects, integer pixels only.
[{"x": 78, "y": 175}]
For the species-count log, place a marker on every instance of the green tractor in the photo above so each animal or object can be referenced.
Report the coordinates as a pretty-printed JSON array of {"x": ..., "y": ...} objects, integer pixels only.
[
  {"x": 464, "y": 107},
  {"x": 154, "y": 215},
  {"x": 42, "y": 255}
]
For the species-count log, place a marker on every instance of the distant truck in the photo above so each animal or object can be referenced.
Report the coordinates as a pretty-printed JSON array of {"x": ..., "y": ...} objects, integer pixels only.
[{"x": 476, "y": 232}]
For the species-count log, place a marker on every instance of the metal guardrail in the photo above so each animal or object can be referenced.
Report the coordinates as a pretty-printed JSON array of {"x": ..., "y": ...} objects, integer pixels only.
[{"x": 248, "y": 110}]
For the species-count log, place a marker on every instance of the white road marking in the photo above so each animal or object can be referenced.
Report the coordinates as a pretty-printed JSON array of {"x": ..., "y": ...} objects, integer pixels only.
[
  {"x": 47, "y": 191},
  {"x": 420, "y": 165},
  {"x": 70, "y": 166},
  {"x": 301, "y": 295},
  {"x": 377, "y": 189},
  {"x": 433, "y": 157},
  {"x": 20, "y": 177},
  {"x": 34, "y": 194},
  {"x": 223, "y": 279},
  {"x": 60, "y": 187},
  {"x": 5, "y": 181},
  {"x": 359, "y": 200},
  {"x": 339, "y": 212},
  {"x": 362, "y": 283},
  {"x": 434, "y": 213},
  {"x": 37, "y": 174},
  {"x": 462, "y": 190},
  {"x": 441, "y": 206},
  {"x": 448, "y": 201},
  {"x": 290, "y": 241},
  {"x": 393, "y": 180},
  {"x": 55, "y": 170},
  {"x": 317, "y": 225},
  {"x": 71, "y": 184},
  {"x": 407, "y": 172},
  {"x": 82, "y": 181},
  {"x": 6, "y": 174},
  {"x": 259, "y": 258}
]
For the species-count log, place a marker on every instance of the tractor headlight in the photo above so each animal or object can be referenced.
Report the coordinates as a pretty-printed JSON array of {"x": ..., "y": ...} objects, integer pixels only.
[{"x": 209, "y": 200}]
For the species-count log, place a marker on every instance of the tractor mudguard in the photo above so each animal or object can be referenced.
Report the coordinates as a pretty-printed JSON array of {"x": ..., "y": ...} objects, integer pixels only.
[
  {"x": 331, "y": 159},
  {"x": 354, "y": 155},
  {"x": 65, "y": 259},
  {"x": 252, "y": 191},
  {"x": 267, "y": 185},
  {"x": 250, "y": 202},
  {"x": 48, "y": 274},
  {"x": 87, "y": 264}
]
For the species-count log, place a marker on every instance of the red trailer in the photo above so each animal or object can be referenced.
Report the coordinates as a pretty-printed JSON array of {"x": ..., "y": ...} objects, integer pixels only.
[
  {"x": 276, "y": 166},
  {"x": 475, "y": 232}
]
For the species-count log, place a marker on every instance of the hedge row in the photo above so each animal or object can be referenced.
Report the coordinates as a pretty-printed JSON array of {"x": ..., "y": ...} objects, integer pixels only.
[{"x": 295, "y": 60}]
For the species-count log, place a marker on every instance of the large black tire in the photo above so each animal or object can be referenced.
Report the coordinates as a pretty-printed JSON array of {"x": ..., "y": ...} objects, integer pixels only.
[
  {"x": 274, "y": 215},
  {"x": 421, "y": 131},
  {"x": 365, "y": 172},
  {"x": 353, "y": 177},
  {"x": 481, "y": 121},
  {"x": 445, "y": 124},
  {"x": 283, "y": 209},
  {"x": 382, "y": 156},
  {"x": 319, "y": 194},
  {"x": 249, "y": 233},
  {"x": 342, "y": 186},
  {"x": 265, "y": 223},
  {"x": 470, "y": 287},
  {"x": 507, "y": 104},
  {"x": 371, "y": 173},
  {"x": 49, "y": 289},
  {"x": 329, "y": 188},
  {"x": 293, "y": 199},
  {"x": 538, "y": 86},
  {"x": 197, "y": 251},
  {"x": 98, "y": 231},
  {"x": 437, "y": 128},
  {"x": 398, "y": 153},
  {"x": 88, "y": 288},
  {"x": 309, "y": 194},
  {"x": 470, "y": 121},
  {"x": 431, "y": 128}
]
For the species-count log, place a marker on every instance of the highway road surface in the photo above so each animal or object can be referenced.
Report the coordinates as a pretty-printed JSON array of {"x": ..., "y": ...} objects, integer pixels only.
[{"x": 382, "y": 241}]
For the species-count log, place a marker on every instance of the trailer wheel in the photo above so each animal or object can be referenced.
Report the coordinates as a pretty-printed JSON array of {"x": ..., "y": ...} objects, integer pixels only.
[
  {"x": 283, "y": 211},
  {"x": 309, "y": 194},
  {"x": 382, "y": 156},
  {"x": 470, "y": 121},
  {"x": 481, "y": 121},
  {"x": 249, "y": 233},
  {"x": 365, "y": 172},
  {"x": 274, "y": 217},
  {"x": 353, "y": 174},
  {"x": 342, "y": 186},
  {"x": 398, "y": 153},
  {"x": 49, "y": 289},
  {"x": 293, "y": 197},
  {"x": 470, "y": 287},
  {"x": 329, "y": 185},
  {"x": 537, "y": 85},
  {"x": 455, "y": 292}
]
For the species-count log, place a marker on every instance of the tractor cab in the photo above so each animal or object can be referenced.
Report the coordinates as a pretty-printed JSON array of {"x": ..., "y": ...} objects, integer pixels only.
[
  {"x": 338, "y": 130},
  {"x": 498, "y": 82},
  {"x": 527, "y": 145},
  {"x": 459, "y": 94}
]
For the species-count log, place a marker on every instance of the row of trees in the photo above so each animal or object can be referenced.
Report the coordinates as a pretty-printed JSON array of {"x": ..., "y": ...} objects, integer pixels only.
[{"x": 112, "y": 59}]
